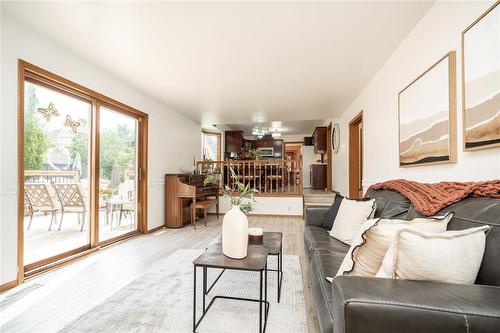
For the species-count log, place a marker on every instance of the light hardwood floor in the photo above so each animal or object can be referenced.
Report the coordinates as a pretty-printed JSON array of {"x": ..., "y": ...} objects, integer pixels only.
[{"x": 51, "y": 301}]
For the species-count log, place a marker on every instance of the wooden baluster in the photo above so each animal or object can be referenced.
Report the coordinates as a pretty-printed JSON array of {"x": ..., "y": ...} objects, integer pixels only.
[
  {"x": 283, "y": 171},
  {"x": 276, "y": 176},
  {"x": 229, "y": 179},
  {"x": 265, "y": 177},
  {"x": 254, "y": 182},
  {"x": 289, "y": 169},
  {"x": 301, "y": 184},
  {"x": 296, "y": 168}
]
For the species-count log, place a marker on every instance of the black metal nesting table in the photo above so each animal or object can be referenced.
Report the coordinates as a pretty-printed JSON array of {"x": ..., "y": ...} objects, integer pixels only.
[
  {"x": 256, "y": 261},
  {"x": 273, "y": 241}
]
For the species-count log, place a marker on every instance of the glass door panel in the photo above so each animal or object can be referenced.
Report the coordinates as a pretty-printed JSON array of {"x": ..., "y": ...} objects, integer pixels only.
[
  {"x": 118, "y": 149},
  {"x": 56, "y": 166}
]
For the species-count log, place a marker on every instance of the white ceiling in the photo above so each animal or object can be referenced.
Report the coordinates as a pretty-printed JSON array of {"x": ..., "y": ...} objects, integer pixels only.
[
  {"x": 294, "y": 127},
  {"x": 233, "y": 62}
]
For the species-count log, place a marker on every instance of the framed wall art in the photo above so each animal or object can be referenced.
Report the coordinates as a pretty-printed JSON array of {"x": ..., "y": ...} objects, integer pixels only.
[
  {"x": 427, "y": 116},
  {"x": 481, "y": 81}
]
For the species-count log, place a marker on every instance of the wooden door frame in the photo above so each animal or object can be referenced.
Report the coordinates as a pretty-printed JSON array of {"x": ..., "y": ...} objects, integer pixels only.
[
  {"x": 26, "y": 69},
  {"x": 354, "y": 156},
  {"x": 329, "y": 153}
]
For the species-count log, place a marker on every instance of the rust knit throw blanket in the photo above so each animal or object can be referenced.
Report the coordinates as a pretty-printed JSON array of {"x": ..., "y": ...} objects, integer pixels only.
[{"x": 428, "y": 199}]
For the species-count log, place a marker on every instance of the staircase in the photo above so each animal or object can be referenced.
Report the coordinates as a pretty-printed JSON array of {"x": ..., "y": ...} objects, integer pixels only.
[{"x": 318, "y": 197}]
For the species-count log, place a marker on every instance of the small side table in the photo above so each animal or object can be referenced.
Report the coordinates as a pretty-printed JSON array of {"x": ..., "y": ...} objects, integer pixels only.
[
  {"x": 256, "y": 261},
  {"x": 273, "y": 241}
]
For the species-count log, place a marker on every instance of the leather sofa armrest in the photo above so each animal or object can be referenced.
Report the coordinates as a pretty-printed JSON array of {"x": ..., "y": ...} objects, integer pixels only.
[
  {"x": 314, "y": 215},
  {"x": 386, "y": 305}
]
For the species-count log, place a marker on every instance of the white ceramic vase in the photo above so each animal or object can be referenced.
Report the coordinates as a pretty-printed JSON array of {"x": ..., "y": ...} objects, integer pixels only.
[{"x": 235, "y": 234}]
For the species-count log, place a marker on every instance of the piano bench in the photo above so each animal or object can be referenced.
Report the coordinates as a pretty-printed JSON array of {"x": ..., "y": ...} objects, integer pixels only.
[{"x": 203, "y": 204}]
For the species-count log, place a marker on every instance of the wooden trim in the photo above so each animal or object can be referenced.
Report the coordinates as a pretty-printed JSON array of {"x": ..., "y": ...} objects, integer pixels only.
[
  {"x": 356, "y": 118},
  {"x": 155, "y": 229},
  {"x": 452, "y": 105},
  {"x": 52, "y": 85},
  {"x": 8, "y": 285},
  {"x": 94, "y": 174},
  {"x": 355, "y": 156},
  {"x": 463, "y": 81},
  {"x": 142, "y": 184},
  {"x": 75, "y": 87},
  {"x": 203, "y": 130},
  {"x": 80, "y": 255},
  {"x": 40, "y": 76},
  {"x": 57, "y": 257},
  {"x": 329, "y": 153},
  {"x": 20, "y": 171},
  {"x": 119, "y": 238},
  {"x": 60, "y": 263}
]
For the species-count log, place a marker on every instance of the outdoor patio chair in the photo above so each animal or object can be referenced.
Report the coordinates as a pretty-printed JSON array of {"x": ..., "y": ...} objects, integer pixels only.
[
  {"x": 72, "y": 199},
  {"x": 40, "y": 197},
  {"x": 126, "y": 192}
]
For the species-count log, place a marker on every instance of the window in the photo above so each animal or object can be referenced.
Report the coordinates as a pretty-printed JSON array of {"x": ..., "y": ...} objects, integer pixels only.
[{"x": 211, "y": 148}]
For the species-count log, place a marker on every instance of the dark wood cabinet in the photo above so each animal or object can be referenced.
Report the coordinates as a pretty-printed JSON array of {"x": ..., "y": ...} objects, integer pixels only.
[
  {"x": 278, "y": 148},
  {"x": 269, "y": 142},
  {"x": 318, "y": 176},
  {"x": 233, "y": 141},
  {"x": 319, "y": 139}
]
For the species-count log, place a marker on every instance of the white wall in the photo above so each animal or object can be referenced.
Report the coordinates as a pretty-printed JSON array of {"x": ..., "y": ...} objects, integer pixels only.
[
  {"x": 287, "y": 205},
  {"x": 294, "y": 137},
  {"x": 166, "y": 128},
  {"x": 437, "y": 33}
]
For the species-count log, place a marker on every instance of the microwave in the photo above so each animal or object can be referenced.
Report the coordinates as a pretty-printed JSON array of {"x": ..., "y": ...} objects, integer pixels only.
[{"x": 266, "y": 151}]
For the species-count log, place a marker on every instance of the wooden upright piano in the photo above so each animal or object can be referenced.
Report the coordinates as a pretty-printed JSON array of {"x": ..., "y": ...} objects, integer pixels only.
[{"x": 180, "y": 191}]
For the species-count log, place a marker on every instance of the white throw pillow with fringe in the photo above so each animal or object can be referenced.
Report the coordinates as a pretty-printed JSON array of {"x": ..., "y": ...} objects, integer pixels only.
[
  {"x": 451, "y": 256},
  {"x": 374, "y": 238}
]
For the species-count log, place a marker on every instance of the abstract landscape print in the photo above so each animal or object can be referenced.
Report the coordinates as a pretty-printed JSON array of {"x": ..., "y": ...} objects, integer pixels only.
[
  {"x": 481, "y": 81},
  {"x": 427, "y": 111}
]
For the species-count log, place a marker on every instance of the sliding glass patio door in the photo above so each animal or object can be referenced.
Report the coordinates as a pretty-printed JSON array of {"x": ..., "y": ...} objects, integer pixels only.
[
  {"x": 82, "y": 161},
  {"x": 118, "y": 137},
  {"x": 56, "y": 168}
]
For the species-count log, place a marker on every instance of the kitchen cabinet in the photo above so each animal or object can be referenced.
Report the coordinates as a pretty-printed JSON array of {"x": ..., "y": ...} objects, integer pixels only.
[
  {"x": 319, "y": 139},
  {"x": 318, "y": 176},
  {"x": 269, "y": 142},
  {"x": 233, "y": 141}
]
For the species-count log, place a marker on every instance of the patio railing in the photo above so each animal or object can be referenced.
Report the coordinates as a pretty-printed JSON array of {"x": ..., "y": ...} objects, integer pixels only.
[
  {"x": 270, "y": 177},
  {"x": 51, "y": 176}
]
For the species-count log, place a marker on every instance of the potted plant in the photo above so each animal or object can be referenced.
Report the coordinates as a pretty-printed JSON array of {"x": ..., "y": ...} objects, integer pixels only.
[
  {"x": 235, "y": 221},
  {"x": 257, "y": 154}
]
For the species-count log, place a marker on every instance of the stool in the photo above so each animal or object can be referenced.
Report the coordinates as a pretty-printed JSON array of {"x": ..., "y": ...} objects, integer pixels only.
[{"x": 203, "y": 204}]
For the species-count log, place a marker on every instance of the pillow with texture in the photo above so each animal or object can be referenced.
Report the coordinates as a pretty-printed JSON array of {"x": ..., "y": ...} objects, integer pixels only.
[
  {"x": 332, "y": 212},
  {"x": 374, "y": 238},
  {"x": 350, "y": 217},
  {"x": 451, "y": 256}
]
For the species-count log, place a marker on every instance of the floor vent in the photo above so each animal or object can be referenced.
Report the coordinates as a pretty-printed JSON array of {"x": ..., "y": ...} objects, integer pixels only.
[{"x": 9, "y": 299}]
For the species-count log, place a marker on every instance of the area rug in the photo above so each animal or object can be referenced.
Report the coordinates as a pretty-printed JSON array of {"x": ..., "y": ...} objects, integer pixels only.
[{"x": 161, "y": 300}]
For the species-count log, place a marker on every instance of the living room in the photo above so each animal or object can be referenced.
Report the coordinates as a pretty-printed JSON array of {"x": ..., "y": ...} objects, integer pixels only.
[{"x": 250, "y": 166}]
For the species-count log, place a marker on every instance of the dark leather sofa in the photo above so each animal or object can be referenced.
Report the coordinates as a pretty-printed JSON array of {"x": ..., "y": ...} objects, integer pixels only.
[{"x": 359, "y": 304}]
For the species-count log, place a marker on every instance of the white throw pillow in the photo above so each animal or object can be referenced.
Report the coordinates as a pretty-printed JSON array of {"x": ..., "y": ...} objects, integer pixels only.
[
  {"x": 374, "y": 238},
  {"x": 451, "y": 256},
  {"x": 350, "y": 217}
]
